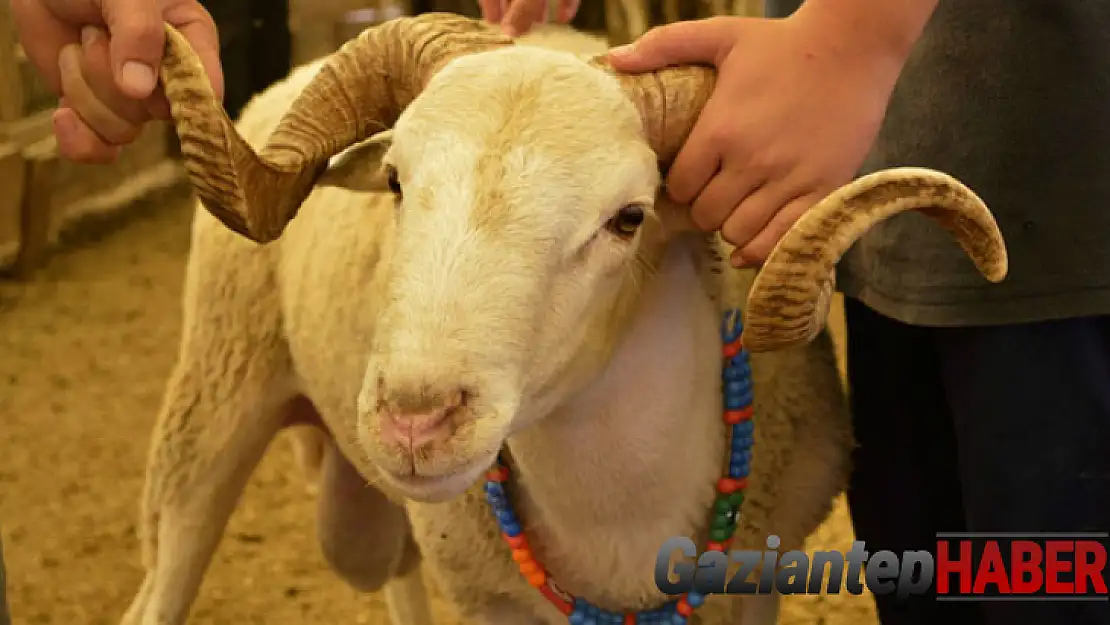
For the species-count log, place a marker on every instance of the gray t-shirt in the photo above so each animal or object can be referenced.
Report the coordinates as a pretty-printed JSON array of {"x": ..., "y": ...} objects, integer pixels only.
[{"x": 1013, "y": 98}]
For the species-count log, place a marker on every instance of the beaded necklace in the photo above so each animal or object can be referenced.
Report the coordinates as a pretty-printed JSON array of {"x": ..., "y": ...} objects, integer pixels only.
[{"x": 737, "y": 390}]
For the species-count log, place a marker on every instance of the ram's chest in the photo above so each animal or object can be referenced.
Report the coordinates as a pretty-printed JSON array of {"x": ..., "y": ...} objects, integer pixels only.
[{"x": 474, "y": 570}]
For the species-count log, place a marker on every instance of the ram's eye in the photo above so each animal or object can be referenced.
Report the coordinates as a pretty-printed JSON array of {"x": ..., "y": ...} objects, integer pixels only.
[
  {"x": 627, "y": 220},
  {"x": 392, "y": 181}
]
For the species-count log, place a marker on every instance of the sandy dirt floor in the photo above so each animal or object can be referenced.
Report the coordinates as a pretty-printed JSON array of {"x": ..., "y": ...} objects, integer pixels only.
[{"x": 84, "y": 352}]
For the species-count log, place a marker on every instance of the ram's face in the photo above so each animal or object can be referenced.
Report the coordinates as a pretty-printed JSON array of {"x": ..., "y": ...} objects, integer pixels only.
[{"x": 526, "y": 220}]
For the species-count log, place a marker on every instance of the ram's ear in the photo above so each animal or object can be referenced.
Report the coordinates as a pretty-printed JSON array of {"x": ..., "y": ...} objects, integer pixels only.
[{"x": 359, "y": 167}]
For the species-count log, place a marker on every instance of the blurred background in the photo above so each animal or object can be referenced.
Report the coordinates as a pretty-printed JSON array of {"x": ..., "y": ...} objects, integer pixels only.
[{"x": 91, "y": 266}]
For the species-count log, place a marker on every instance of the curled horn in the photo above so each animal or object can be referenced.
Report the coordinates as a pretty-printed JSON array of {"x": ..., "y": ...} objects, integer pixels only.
[
  {"x": 360, "y": 90},
  {"x": 789, "y": 300}
]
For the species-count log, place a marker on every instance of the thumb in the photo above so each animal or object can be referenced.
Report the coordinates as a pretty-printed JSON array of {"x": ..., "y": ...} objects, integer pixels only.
[
  {"x": 679, "y": 43},
  {"x": 137, "y": 38}
]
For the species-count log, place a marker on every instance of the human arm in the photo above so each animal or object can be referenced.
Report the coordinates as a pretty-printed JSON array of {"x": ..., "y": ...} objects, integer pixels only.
[{"x": 797, "y": 105}]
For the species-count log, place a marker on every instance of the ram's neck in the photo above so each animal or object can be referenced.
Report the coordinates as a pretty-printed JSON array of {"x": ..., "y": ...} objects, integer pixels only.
[{"x": 639, "y": 450}]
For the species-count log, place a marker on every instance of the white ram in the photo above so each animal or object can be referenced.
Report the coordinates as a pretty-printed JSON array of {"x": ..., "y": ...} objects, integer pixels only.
[{"x": 520, "y": 288}]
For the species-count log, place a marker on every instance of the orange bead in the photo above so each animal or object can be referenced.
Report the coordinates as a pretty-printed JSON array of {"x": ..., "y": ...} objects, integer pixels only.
[
  {"x": 732, "y": 417},
  {"x": 683, "y": 608},
  {"x": 521, "y": 555},
  {"x": 728, "y": 485},
  {"x": 529, "y": 567},
  {"x": 732, "y": 348},
  {"x": 537, "y": 579},
  {"x": 515, "y": 542},
  {"x": 498, "y": 474}
]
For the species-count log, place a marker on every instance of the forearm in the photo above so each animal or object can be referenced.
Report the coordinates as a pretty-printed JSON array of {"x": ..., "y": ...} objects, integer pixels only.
[{"x": 890, "y": 26}]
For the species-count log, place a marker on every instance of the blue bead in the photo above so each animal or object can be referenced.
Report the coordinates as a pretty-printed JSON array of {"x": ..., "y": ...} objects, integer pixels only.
[
  {"x": 592, "y": 609},
  {"x": 736, "y": 402},
  {"x": 495, "y": 487},
  {"x": 576, "y": 618},
  {"x": 511, "y": 529},
  {"x": 678, "y": 619},
  {"x": 737, "y": 472},
  {"x": 742, "y": 444},
  {"x": 738, "y": 387},
  {"x": 740, "y": 457},
  {"x": 695, "y": 599},
  {"x": 506, "y": 516},
  {"x": 589, "y": 620},
  {"x": 741, "y": 358},
  {"x": 743, "y": 428}
]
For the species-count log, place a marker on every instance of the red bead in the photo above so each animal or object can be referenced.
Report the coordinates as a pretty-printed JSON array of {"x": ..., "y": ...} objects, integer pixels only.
[
  {"x": 732, "y": 348},
  {"x": 515, "y": 542},
  {"x": 521, "y": 555},
  {"x": 564, "y": 606},
  {"x": 728, "y": 485},
  {"x": 714, "y": 546},
  {"x": 630, "y": 618},
  {"x": 683, "y": 608},
  {"x": 732, "y": 417},
  {"x": 498, "y": 474}
]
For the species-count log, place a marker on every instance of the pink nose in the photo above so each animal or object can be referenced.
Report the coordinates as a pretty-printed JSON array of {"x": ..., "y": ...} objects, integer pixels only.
[{"x": 415, "y": 429}]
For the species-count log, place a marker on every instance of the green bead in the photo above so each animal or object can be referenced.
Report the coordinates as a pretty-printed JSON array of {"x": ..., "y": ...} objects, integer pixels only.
[
  {"x": 719, "y": 535},
  {"x": 736, "y": 499},
  {"x": 721, "y": 522},
  {"x": 722, "y": 505}
]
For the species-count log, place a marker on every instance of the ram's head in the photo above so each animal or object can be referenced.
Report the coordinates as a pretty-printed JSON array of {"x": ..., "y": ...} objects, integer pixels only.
[{"x": 527, "y": 186}]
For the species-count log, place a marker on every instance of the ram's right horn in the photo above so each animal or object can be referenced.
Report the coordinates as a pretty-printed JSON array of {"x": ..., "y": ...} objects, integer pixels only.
[
  {"x": 360, "y": 90},
  {"x": 789, "y": 300}
]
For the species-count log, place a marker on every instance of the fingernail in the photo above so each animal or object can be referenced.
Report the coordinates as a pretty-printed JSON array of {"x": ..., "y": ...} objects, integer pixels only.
[
  {"x": 621, "y": 50},
  {"x": 137, "y": 77},
  {"x": 89, "y": 35}
]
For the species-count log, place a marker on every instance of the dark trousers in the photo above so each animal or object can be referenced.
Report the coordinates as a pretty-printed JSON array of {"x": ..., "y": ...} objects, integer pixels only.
[
  {"x": 256, "y": 46},
  {"x": 984, "y": 429}
]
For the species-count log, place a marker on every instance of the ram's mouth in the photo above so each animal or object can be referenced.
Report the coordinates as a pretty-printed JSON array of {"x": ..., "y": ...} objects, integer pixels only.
[{"x": 438, "y": 488}]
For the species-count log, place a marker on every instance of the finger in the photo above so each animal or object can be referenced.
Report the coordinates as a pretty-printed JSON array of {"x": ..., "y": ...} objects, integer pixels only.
[
  {"x": 43, "y": 36},
  {"x": 96, "y": 69},
  {"x": 520, "y": 16},
  {"x": 491, "y": 10},
  {"x": 756, "y": 251},
  {"x": 758, "y": 209},
  {"x": 567, "y": 10},
  {"x": 137, "y": 40},
  {"x": 542, "y": 12},
  {"x": 79, "y": 143},
  {"x": 109, "y": 127},
  {"x": 720, "y": 199},
  {"x": 696, "y": 41},
  {"x": 696, "y": 163}
]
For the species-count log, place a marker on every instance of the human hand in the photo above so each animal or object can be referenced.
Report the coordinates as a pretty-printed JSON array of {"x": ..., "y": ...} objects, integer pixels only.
[
  {"x": 517, "y": 16},
  {"x": 102, "y": 57},
  {"x": 796, "y": 107}
]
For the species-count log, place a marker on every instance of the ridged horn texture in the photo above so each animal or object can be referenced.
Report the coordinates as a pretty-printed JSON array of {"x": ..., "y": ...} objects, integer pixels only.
[
  {"x": 669, "y": 101},
  {"x": 789, "y": 299},
  {"x": 360, "y": 90}
]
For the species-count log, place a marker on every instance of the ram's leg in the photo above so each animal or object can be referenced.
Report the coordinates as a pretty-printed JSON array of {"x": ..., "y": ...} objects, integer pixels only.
[
  {"x": 367, "y": 540},
  {"x": 227, "y": 398},
  {"x": 405, "y": 594},
  {"x": 760, "y": 609},
  {"x": 209, "y": 437}
]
